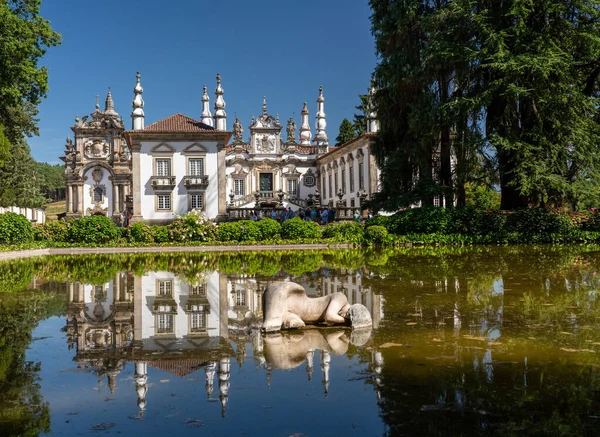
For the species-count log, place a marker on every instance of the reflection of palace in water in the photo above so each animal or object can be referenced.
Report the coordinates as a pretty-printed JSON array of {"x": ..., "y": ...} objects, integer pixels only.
[{"x": 163, "y": 321}]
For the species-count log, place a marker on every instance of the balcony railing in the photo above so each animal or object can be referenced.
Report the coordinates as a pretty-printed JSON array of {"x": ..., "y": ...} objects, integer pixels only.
[
  {"x": 196, "y": 181},
  {"x": 162, "y": 182}
]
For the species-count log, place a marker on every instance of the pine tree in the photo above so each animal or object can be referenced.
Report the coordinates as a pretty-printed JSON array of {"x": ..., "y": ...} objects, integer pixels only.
[{"x": 346, "y": 132}]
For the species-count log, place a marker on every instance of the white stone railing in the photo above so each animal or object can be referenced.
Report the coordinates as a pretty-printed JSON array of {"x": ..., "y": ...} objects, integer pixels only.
[{"x": 34, "y": 215}]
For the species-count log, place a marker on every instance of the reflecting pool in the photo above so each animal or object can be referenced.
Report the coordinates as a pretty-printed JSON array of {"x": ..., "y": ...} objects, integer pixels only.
[{"x": 465, "y": 341}]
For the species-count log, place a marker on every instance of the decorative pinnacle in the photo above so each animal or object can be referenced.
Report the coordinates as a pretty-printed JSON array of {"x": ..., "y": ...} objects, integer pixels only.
[
  {"x": 320, "y": 99},
  {"x": 205, "y": 97},
  {"x": 97, "y": 101},
  {"x": 138, "y": 87},
  {"x": 305, "y": 109},
  {"x": 264, "y": 104},
  {"x": 109, "y": 104}
]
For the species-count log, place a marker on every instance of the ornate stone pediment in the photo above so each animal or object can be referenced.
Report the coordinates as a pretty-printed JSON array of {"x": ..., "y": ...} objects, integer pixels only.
[
  {"x": 291, "y": 172},
  {"x": 99, "y": 120}
]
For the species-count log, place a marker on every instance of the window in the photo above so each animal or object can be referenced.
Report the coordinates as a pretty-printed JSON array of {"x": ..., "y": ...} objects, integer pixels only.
[
  {"x": 163, "y": 167},
  {"x": 239, "y": 189},
  {"x": 198, "y": 290},
  {"x": 352, "y": 179},
  {"x": 323, "y": 188},
  {"x": 196, "y": 201},
  {"x": 165, "y": 287},
  {"x": 352, "y": 203},
  {"x": 343, "y": 180},
  {"x": 198, "y": 321},
  {"x": 293, "y": 187},
  {"x": 309, "y": 181},
  {"x": 163, "y": 202},
  {"x": 330, "y": 190},
  {"x": 335, "y": 182},
  {"x": 361, "y": 176},
  {"x": 196, "y": 167},
  {"x": 240, "y": 297},
  {"x": 98, "y": 194},
  {"x": 165, "y": 323}
]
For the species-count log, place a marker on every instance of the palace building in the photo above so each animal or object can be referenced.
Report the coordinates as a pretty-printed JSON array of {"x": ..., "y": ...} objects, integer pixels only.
[{"x": 155, "y": 172}]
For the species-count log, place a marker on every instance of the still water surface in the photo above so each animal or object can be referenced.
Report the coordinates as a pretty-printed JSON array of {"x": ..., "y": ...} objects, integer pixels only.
[{"x": 478, "y": 341}]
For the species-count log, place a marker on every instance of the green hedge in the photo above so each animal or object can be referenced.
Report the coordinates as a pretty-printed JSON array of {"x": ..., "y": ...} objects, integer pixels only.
[
  {"x": 15, "y": 229},
  {"x": 93, "y": 229},
  {"x": 297, "y": 228}
]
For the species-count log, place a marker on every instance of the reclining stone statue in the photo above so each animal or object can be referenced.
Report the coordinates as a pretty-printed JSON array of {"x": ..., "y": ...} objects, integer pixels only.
[{"x": 286, "y": 306}]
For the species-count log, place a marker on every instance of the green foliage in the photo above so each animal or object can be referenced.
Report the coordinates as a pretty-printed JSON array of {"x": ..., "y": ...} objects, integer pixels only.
[
  {"x": 376, "y": 235},
  {"x": 269, "y": 228},
  {"x": 538, "y": 223},
  {"x": 93, "y": 229},
  {"x": 481, "y": 197},
  {"x": 49, "y": 178},
  {"x": 243, "y": 230},
  {"x": 15, "y": 228},
  {"x": 593, "y": 221},
  {"x": 346, "y": 133},
  {"x": 55, "y": 231},
  {"x": 161, "y": 234},
  {"x": 193, "y": 226},
  {"x": 23, "y": 84},
  {"x": 297, "y": 228},
  {"x": 380, "y": 220},
  {"x": 426, "y": 220},
  {"x": 18, "y": 179},
  {"x": 141, "y": 233},
  {"x": 345, "y": 232},
  {"x": 4, "y": 147}
]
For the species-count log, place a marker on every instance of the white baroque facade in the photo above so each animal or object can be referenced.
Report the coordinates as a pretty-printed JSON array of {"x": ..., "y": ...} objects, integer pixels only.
[{"x": 156, "y": 172}]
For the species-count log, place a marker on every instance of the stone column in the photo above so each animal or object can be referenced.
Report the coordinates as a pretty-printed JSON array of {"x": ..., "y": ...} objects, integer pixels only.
[
  {"x": 68, "y": 198},
  {"x": 372, "y": 169},
  {"x": 137, "y": 187},
  {"x": 80, "y": 199},
  {"x": 115, "y": 200},
  {"x": 222, "y": 182}
]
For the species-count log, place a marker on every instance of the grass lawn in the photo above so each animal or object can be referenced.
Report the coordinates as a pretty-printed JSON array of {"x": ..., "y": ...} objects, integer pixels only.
[{"x": 55, "y": 208}]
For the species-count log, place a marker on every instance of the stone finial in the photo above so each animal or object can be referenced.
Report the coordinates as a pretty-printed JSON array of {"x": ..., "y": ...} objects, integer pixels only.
[
  {"x": 206, "y": 116},
  {"x": 305, "y": 133},
  {"x": 97, "y": 101},
  {"x": 372, "y": 121},
  {"x": 264, "y": 107},
  {"x": 238, "y": 130},
  {"x": 320, "y": 138},
  {"x": 137, "y": 115},
  {"x": 220, "y": 116},
  {"x": 109, "y": 105}
]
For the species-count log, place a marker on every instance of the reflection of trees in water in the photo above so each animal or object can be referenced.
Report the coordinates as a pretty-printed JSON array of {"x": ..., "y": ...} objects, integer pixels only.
[{"x": 23, "y": 411}]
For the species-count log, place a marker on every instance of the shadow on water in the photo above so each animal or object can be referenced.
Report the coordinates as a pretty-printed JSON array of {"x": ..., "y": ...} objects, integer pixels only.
[{"x": 466, "y": 341}]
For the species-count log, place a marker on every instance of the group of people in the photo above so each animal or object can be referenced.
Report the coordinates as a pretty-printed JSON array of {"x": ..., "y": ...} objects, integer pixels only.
[{"x": 322, "y": 216}]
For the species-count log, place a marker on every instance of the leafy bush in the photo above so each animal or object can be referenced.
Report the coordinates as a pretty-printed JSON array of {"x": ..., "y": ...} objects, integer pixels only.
[
  {"x": 93, "y": 229},
  {"x": 15, "y": 228},
  {"x": 243, "y": 230},
  {"x": 380, "y": 220},
  {"x": 160, "y": 234},
  {"x": 269, "y": 228},
  {"x": 297, "y": 228},
  {"x": 376, "y": 235},
  {"x": 141, "y": 233},
  {"x": 51, "y": 231},
  {"x": 426, "y": 220},
  {"x": 593, "y": 221},
  {"x": 534, "y": 223},
  {"x": 194, "y": 226},
  {"x": 347, "y": 232}
]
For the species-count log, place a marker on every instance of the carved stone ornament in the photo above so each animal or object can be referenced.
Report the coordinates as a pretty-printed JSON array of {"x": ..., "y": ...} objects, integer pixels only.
[
  {"x": 100, "y": 189},
  {"x": 238, "y": 130},
  {"x": 97, "y": 174},
  {"x": 96, "y": 149},
  {"x": 265, "y": 144},
  {"x": 97, "y": 209},
  {"x": 309, "y": 179},
  {"x": 291, "y": 130}
]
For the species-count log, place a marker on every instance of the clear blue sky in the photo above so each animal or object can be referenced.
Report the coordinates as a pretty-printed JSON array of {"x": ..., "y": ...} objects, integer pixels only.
[{"x": 282, "y": 49}]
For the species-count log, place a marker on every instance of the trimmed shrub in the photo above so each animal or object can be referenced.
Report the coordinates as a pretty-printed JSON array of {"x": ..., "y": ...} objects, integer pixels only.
[
  {"x": 228, "y": 231},
  {"x": 346, "y": 232},
  {"x": 297, "y": 228},
  {"x": 51, "y": 231},
  {"x": 376, "y": 235},
  {"x": 243, "y": 230},
  {"x": 269, "y": 228},
  {"x": 93, "y": 229},
  {"x": 15, "y": 228},
  {"x": 160, "y": 234},
  {"x": 141, "y": 233},
  {"x": 380, "y": 220},
  {"x": 538, "y": 222},
  {"x": 426, "y": 220},
  {"x": 194, "y": 226}
]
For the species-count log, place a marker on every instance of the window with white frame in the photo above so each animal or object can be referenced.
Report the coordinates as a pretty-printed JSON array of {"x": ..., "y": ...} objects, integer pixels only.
[
  {"x": 196, "y": 167},
  {"x": 323, "y": 188},
  {"x": 163, "y": 202},
  {"x": 240, "y": 297},
  {"x": 198, "y": 321},
  {"x": 361, "y": 176},
  {"x": 329, "y": 186},
  {"x": 164, "y": 323},
  {"x": 163, "y": 167},
  {"x": 352, "y": 179},
  {"x": 198, "y": 290},
  {"x": 309, "y": 180},
  {"x": 343, "y": 180},
  {"x": 196, "y": 201},
  {"x": 293, "y": 187},
  {"x": 165, "y": 287},
  {"x": 239, "y": 188},
  {"x": 335, "y": 183}
]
